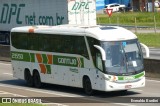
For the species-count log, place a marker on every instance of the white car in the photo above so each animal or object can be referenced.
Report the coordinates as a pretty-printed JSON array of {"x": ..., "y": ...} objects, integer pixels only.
[{"x": 115, "y": 7}]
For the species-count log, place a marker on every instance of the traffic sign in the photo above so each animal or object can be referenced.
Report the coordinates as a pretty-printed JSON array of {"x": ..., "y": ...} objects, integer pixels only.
[{"x": 109, "y": 12}]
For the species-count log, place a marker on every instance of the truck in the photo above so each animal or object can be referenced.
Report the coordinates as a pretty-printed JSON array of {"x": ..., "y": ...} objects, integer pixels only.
[{"x": 15, "y": 13}]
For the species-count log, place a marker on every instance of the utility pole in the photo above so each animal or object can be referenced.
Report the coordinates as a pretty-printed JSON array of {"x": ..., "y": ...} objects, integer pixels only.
[{"x": 153, "y": 5}]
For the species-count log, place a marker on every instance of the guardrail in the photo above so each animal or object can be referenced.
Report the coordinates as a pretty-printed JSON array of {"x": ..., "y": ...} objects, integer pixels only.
[
  {"x": 152, "y": 66},
  {"x": 5, "y": 53}
]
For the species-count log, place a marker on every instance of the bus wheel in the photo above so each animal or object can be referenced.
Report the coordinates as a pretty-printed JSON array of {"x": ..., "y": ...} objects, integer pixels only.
[
  {"x": 37, "y": 80},
  {"x": 87, "y": 86},
  {"x": 28, "y": 78}
]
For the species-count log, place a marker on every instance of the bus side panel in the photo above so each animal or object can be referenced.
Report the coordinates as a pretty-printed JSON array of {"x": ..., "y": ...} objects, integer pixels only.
[{"x": 19, "y": 68}]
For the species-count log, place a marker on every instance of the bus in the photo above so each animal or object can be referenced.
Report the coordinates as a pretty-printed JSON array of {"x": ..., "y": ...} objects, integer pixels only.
[{"x": 103, "y": 58}]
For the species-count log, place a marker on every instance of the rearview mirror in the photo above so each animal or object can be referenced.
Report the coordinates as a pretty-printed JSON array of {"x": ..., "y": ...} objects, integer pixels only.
[
  {"x": 146, "y": 49},
  {"x": 102, "y": 52}
]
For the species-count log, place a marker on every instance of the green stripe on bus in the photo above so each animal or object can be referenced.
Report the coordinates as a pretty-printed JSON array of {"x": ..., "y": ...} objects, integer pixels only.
[
  {"x": 139, "y": 75},
  {"x": 20, "y": 56},
  {"x": 57, "y": 60},
  {"x": 32, "y": 55},
  {"x": 131, "y": 77},
  {"x": 82, "y": 62},
  {"x": 45, "y": 59},
  {"x": 48, "y": 69}
]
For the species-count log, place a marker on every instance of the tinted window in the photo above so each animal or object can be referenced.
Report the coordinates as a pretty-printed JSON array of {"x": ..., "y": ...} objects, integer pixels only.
[{"x": 50, "y": 43}]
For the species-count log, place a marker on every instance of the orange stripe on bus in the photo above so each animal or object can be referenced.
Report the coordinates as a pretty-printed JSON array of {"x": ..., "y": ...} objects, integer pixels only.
[
  {"x": 31, "y": 30},
  {"x": 50, "y": 59},
  {"x": 43, "y": 68},
  {"x": 39, "y": 58}
]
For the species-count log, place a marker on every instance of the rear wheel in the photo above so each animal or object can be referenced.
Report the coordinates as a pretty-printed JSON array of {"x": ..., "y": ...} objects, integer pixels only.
[
  {"x": 37, "y": 80},
  {"x": 28, "y": 78},
  {"x": 87, "y": 86}
]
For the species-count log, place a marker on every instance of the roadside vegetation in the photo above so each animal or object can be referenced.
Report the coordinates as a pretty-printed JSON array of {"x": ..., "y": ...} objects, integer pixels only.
[
  {"x": 147, "y": 19},
  {"x": 19, "y": 104},
  {"x": 150, "y": 39},
  {"x": 129, "y": 18}
]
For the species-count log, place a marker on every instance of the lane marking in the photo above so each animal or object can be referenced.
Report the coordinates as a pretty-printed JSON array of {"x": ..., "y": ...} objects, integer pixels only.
[
  {"x": 63, "y": 95},
  {"x": 137, "y": 90},
  {"x": 17, "y": 95},
  {"x": 4, "y": 92},
  {"x": 124, "y": 104},
  {"x": 5, "y": 63},
  {"x": 10, "y": 74},
  {"x": 153, "y": 80},
  {"x": 105, "y": 101},
  {"x": 57, "y": 104},
  {"x": 35, "y": 90}
]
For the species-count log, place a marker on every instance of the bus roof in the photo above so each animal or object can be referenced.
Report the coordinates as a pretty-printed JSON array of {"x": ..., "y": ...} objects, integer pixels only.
[{"x": 102, "y": 33}]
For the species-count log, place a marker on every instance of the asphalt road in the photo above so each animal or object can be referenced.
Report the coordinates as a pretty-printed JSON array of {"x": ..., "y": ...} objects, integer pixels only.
[{"x": 68, "y": 96}]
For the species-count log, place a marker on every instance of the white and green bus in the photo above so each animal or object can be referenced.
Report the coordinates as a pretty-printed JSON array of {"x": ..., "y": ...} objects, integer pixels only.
[{"x": 90, "y": 57}]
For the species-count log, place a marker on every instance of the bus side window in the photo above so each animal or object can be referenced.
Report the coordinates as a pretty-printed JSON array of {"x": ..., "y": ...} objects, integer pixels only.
[
  {"x": 99, "y": 64},
  {"x": 96, "y": 55}
]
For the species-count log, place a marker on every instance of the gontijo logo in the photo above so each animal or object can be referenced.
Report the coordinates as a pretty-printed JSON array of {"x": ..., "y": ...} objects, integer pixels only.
[{"x": 48, "y": 59}]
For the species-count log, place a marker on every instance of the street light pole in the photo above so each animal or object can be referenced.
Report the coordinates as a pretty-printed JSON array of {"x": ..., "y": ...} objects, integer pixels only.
[{"x": 153, "y": 5}]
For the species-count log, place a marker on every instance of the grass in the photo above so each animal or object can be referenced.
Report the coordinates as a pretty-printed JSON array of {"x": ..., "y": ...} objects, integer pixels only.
[
  {"x": 150, "y": 39},
  {"x": 19, "y": 104},
  {"x": 128, "y": 18},
  {"x": 142, "y": 19}
]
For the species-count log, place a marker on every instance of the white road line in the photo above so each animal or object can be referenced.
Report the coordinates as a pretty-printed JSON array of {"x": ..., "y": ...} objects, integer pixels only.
[
  {"x": 103, "y": 101},
  {"x": 10, "y": 74},
  {"x": 124, "y": 104},
  {"x": 63, "y": 95},
  {"x": 54, "y": 104},
  {"x": 35, "y": 90},
  {"x": 5, "y": 63},
  {"x": 3, "y": 92},
  {"x": 153, "y": 80},
  {"x": 137, "y": 90}
]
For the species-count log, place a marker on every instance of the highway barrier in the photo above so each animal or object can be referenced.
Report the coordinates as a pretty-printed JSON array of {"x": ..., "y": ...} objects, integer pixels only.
[
  {"x": 4, "y": 53},
  {"x": 152, "y": 66}
]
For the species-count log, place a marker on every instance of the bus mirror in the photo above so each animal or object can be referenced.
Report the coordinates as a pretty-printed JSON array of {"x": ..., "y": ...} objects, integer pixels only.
[
  {"x": 102, "y": 52},
  {"x": 146, "y": 49}
]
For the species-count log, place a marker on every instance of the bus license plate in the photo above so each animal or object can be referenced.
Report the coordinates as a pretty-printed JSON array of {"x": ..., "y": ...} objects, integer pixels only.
[{"x": 128, "y": 86}]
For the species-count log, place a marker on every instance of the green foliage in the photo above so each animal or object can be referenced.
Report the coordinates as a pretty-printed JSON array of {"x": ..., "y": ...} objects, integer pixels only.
[
  {"x": 150, "y": 39},
  {"x": 19, "y": 104},
  {"x": 128, "y": 18}
]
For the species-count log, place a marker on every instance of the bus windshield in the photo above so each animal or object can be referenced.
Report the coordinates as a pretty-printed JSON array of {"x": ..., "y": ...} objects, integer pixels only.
[{"x": 123, "y": 57}]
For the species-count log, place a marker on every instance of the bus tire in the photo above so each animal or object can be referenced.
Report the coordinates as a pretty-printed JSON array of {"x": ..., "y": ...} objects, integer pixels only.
[
  {"x": 36, "y": 79},
  {"x": 87, "y": 86},
  {"x": 124, "y": 91},
  {"x": 28, "y": 78}
]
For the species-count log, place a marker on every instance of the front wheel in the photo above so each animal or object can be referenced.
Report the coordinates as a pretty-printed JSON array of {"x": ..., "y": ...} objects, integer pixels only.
[{"x": 87, "y": 86}]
